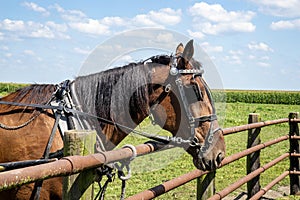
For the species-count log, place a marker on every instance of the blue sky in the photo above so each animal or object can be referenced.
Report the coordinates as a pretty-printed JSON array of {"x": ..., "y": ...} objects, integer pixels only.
[{"x": 254, "y": 44}]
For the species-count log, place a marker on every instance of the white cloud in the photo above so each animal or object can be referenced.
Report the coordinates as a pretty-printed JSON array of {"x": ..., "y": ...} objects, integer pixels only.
[
  {"x": 237, "y": 52},
  {"x": 12, "y": 25},
  {"x": 234, "y": 57},
  {"x": 58, "y": 8},
  {"x": 43, "y": 32},
  {"x": 166, "y": 16},
  {"x": 126, "y": 59},
  {"x": 69, "y": 15},
  {"x": 259, "y": 46},
  {"x": 8, "y": 55},
  {"x": 36, "y": 8},
  {"x": 143, "y": 20},
  {"x": 82, "y": 51},
  {"x": 196, "y": 34},
  {"x": 264, "y": 64},
  {"x": 19, "y": 29},
  {"x": 265, "y": 58},
  {"x": 1, "y": 36},
  {"x": 281, "y": 8},
  {"x": 251, "y": 57},
  {"x": 114, "y": 21},
  {"x": 216, "y": 13},
  {"x": 214, "y": 19},
  {"x": 165, "y": 37},
  {"x": 90, "y": 26},
  {"x": 79, "y": 21},
  {"x": 160, "y": 18},
  {"x": 209, "y": 48},
  {"x": 57, "y": 27},
  {"x": 73, "y": 15},
  {"x": 29, "y": 52},
  {"x": 286, "y": 24},
  {"x": 4, "y": 47}
]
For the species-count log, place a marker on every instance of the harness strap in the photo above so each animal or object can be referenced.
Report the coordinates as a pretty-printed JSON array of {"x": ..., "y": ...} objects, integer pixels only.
[
  {"x": 161, "y": 97},
  {"x": 59, "y": 94},
  {"x": 107, "y": 170},
  {"x": 10, "y": 128},
  {"x": 208, "y": 118}
]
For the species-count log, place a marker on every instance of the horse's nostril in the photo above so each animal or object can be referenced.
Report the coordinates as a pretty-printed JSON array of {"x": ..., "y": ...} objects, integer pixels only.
[{"x": 219, "y": 159}]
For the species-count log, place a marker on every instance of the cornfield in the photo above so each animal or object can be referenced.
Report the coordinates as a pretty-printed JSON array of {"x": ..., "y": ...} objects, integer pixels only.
[
  {"x": 228, "y": 96},
  {"x": 257, "y": 96}
]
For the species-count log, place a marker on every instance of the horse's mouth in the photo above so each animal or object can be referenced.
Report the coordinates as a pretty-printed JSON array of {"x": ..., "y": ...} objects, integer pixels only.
[{"x": 205, "y": 164}]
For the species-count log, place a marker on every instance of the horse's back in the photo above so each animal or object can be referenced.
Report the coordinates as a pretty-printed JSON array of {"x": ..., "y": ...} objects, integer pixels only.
[{"x": 21, "y": 141}]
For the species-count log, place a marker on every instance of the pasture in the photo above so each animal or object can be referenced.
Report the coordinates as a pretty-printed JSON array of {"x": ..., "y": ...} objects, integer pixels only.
[{"x": 175, "y": 162}]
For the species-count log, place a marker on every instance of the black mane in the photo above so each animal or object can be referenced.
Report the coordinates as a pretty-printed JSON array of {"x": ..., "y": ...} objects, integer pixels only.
[{"x": 118, "y": 91}]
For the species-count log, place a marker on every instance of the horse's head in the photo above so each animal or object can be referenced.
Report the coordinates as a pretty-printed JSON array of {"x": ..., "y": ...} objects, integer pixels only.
[{"x": 187, "y": 109}]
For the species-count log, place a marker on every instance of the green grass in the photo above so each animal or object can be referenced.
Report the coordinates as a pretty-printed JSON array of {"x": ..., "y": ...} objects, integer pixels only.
[{"x": 175, "y": 162}]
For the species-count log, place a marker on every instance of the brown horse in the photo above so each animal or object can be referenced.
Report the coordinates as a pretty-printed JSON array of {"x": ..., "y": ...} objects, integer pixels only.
[{"x": 171, "y": 88}]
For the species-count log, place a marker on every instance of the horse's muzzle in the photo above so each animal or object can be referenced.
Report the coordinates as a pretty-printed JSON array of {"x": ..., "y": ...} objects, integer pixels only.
[
  {"x": 206, "y": 164},
  {"x": 212, "y": 157}
]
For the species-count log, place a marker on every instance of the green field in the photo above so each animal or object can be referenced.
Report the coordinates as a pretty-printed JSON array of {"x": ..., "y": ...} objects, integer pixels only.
[
  {"x": 263, "y": 97},
  {"x": 6, "y": 88},
  {"x": 154, "y": 169}
]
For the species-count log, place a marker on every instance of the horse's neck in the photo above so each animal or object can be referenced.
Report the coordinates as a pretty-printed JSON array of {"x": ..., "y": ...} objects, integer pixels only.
[{"x": 124, "y": 103}]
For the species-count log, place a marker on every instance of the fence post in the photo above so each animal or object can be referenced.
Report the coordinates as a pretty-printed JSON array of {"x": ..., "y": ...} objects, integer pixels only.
[
  {"x": 253, "y": 159},
  {"x": 206, "y": 186},
  {"x": 79, "y": 186},
  {"x": 294, "y": 148}
]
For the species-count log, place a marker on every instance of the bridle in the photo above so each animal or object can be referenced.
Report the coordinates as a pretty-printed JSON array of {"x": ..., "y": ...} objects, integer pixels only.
[{"x": 176, "y": 73}]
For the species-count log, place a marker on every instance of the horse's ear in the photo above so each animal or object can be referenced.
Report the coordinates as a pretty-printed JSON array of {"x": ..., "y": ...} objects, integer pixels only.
[
  {"x": 179, "y": 49},
  {"x": 188, "y": 50}
]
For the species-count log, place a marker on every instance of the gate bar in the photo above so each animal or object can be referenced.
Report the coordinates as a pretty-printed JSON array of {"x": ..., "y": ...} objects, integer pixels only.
[
  {"x": 69, "y": 165},
  {"x": 295, "y": 137},
  {"x": 185, "y": 178},
  {"x": 167, "y": 186},
  {"x": 237, "y": 184},
  {"x": 235, "y": 129},
  {"x": 264, "y": 190}
]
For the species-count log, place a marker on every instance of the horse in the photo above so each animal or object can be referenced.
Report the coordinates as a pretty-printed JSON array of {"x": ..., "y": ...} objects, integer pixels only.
[{"x": 171, "y": 89}]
